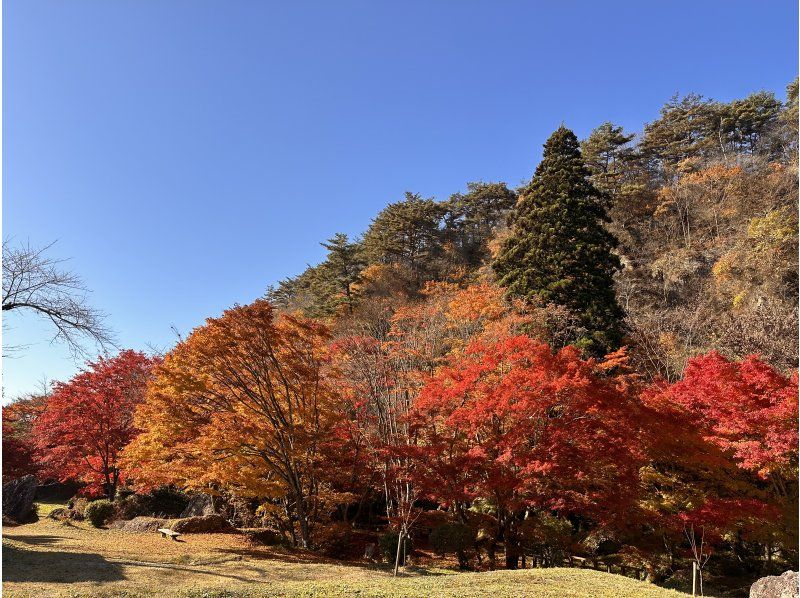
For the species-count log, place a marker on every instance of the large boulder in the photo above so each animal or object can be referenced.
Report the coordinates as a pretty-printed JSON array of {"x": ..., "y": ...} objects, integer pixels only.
[
  {"x": 782, "y": 586},
  {"x": 18, "y": 498},
  {"x": 199, "y": 505},
  {"x": 206, "y": 524},
  {"x": 141, "y": 524}
]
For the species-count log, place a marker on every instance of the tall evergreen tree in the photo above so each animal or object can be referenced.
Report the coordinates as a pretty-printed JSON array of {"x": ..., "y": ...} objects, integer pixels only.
[{"x": 559, "y": 251}]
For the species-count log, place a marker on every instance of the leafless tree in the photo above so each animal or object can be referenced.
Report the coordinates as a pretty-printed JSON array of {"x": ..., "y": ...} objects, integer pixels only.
[
  {"x": 699, "y": 556},
  {"x": 36, "y": 282}
]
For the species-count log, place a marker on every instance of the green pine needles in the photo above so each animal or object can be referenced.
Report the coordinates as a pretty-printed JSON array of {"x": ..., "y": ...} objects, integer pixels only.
[{"x": 559, "y": 250}]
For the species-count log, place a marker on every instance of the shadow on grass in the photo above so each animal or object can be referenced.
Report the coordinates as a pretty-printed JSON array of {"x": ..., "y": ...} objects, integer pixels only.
[
  {"x": 56, "y": 567},
  {"x": 311, "y": 558},
  {"x": 37, "y": 540}
]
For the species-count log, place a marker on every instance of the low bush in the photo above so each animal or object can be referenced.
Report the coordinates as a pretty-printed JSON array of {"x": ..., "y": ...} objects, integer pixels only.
[
  {"x": 59, "y": 514},
  {"x": 453, "y": 538},
  {"x": 77, "y": 505},
  {"x": 141, "y": 524},
  {"x": 98, "y": 512},
  {"x": 334, "y": 540},
  {"x": 206, "y": 524},
  {"x": 133, "y": 505},
  {"x": 547, "y": 537},
  {"x": 167, "y": 502},
  {"x": 388, "y": 544},
  {"x": 267, "y": 537}
]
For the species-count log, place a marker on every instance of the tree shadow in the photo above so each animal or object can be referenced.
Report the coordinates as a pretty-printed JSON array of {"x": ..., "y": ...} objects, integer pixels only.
[
  {"x": 38, "y": 540},
  {"x": 56, "y": 567},
  {"x": 312, "y": 558}
]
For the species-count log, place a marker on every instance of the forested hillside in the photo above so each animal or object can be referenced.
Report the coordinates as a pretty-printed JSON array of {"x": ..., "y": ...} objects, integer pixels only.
[{"x": 702, "y": 203}]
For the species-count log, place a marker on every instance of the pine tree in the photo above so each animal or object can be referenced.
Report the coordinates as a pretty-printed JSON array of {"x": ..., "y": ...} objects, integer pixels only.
[
  {"x": 605, "y": 152},
  {"x": 471, "y": 219},
  {"x": 559, "y": 251},
  {"x": 342, "y": 268},
  {"x": 408, "y": 233}
]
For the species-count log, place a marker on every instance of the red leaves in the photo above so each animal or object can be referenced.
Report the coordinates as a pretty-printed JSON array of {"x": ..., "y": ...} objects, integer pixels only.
[
  {"x": 745, "y": 408},
  {"x": 529, "y": 427},
  {"x": 89, "y": 420}
]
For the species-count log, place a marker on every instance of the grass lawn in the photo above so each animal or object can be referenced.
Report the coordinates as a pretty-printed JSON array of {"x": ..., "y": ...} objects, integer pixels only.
[
  {"x": 51, "y": 558},
  {"x": 44, "y": 508}
]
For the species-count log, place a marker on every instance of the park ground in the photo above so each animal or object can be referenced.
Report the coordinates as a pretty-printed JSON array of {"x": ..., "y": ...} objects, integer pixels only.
[{"x": 50, "y": 558}]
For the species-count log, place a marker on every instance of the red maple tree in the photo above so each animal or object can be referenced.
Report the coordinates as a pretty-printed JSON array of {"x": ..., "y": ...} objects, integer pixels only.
[
  {"x": 523, "y": 427},
  {"x": 89, "y": 420}
]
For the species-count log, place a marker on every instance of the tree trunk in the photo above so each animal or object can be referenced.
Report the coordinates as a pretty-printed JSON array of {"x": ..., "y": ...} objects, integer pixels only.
[{"x": 397, "y": 556}]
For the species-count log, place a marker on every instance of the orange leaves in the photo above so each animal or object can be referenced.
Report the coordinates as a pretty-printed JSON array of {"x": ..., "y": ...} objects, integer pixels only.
[{"x": 245, "y": 403}]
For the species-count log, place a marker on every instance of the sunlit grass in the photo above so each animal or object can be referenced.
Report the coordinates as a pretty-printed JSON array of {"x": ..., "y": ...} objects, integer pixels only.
[{"x": 72, "y": 559}]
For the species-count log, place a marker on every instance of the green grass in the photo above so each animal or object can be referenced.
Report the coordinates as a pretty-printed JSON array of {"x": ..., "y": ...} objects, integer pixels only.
[
  {"x": 544, "y": 583},
  {"x": 50, "y": 558},
  {"x": 44, "y": 508}
]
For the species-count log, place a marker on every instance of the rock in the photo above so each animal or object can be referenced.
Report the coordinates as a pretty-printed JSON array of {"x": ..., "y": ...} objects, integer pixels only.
[
  {"x": 18, "y": 498},
  {"x": 141, "y": 524},
  {"x": 205, "y": 524},
  {"x": 199, "y": 505},
  {"x": 783, "y": 586},
  {"x": 59, "y": 514}
]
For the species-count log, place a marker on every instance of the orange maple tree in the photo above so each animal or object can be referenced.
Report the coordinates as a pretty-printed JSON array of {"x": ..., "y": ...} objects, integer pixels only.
[{"x": 243, "y": 404}]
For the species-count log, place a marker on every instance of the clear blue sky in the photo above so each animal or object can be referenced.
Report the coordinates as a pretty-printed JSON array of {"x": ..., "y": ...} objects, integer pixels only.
[{"x": 187, "y": 153}]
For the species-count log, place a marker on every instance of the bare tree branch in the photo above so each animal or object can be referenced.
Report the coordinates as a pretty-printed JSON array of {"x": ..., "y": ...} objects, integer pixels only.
[{"x": 35, "y": 282}]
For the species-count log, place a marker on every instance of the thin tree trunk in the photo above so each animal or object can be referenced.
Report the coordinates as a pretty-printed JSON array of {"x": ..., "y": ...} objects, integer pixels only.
[{"x": 397, "y": 556}]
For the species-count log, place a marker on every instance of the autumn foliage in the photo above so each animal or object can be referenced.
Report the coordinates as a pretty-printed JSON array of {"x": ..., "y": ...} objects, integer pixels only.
[
  {"x": 244, "y": 404},
  {"x": 89, "y": 420},
  {"x": 395, "y": 386}
]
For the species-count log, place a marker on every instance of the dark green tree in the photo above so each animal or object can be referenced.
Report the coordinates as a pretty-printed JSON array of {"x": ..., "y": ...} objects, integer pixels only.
[
  {"x": 472, "y": 218},
  {"x": 559, "y": 250},
  {"x": 687, "y": 127},
  {"x": 409, "y": 233},
  {"x": 746, "y": 123},
  {"x": 321, "y": 290},
  {"x": 606, "y": 152},
  {"x": 342, "y": 269}
]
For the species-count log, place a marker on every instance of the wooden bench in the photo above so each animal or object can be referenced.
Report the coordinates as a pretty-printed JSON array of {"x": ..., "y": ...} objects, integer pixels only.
[{"x": 168, "y": 533}]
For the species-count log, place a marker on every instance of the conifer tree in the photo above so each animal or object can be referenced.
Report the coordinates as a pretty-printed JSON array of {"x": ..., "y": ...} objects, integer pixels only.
[
  {"x": 408, "y": 233},
  {"x": 342, "y": 268},
  {"x": 559, "y": 251}
]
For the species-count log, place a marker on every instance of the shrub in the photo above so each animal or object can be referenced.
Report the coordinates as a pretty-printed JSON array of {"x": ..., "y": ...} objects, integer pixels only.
[
  {"x": 267, "y": 537},
  {"x": 133, "y": 505},
  {"x": 98, "y": 512},
  {"x": 167, "y": 501},
  {"x": 547, "y": 537},
  {"x": 427, "y": 521},
  {"x": 455, "y": 538},
  {"x": 388, "y": 544},
  {"x": 59, "y": 514},
  {"x": 77, "y": 505},
  {"x": 335, "y": 539},
  {"x": 205, "y": 524}
]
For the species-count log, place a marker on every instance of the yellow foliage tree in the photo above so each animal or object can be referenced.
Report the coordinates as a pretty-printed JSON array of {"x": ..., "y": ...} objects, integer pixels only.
[{"x": 244, "y": 403}]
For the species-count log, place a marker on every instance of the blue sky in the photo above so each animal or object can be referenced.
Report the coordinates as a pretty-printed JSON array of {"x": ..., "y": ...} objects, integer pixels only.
[{"x": 185, "y": 154}]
